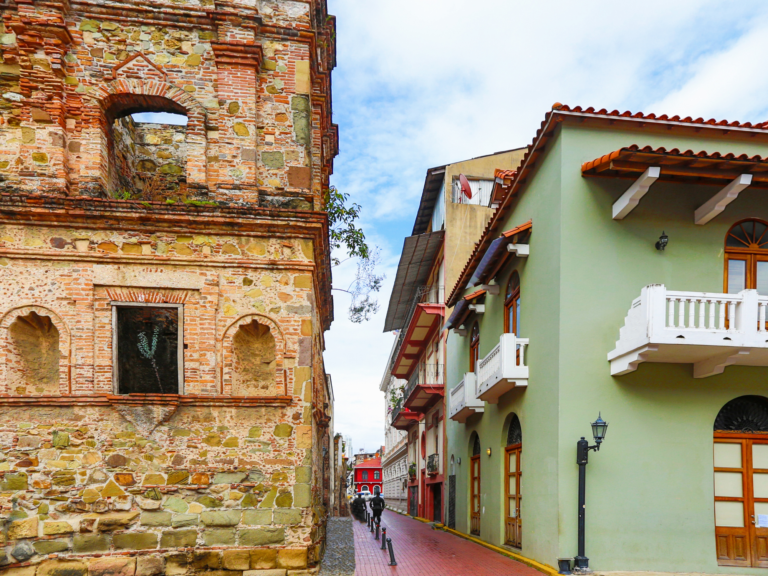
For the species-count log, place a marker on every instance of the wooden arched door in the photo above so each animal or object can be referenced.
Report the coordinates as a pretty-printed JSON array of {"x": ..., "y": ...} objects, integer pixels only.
[
  {"x": 741, "y": 482},
  {"x": 513, "y": 525}
]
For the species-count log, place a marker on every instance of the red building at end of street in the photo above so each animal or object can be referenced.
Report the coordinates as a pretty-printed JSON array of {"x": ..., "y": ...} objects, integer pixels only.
[{"x": 368, "y": 476}]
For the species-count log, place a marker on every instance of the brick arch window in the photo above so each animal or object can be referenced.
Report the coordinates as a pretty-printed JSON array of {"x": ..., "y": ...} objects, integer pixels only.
[
  {"x": 746, "y": 257},
  {"x": 34, "y": 352},
  {"x": 149, "y": 160}
]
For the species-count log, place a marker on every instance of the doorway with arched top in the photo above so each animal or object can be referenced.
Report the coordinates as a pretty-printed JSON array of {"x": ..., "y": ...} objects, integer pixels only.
[
  {"x": 475, "y": 510},
  {"x": 741, "y": 482},
  {"x": 513, "y": 525}
]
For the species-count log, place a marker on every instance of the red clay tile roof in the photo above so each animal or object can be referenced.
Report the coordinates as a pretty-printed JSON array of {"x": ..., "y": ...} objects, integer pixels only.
[
  {"x": 474, "y": 295},
  {"x": 558, "y": 113},
  {"x": 675, "y": 165},
  {"x": 370, "y": 463},
  {"x": 503, "y": 174},
  {"x": 517, "y": 229}
]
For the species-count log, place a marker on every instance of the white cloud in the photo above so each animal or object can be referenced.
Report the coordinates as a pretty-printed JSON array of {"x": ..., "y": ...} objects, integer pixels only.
[{"x": 421, "y": 83}]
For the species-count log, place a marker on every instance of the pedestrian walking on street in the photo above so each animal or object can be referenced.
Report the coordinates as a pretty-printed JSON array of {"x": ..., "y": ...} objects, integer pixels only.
[
  {"x": 358, "y": 508},
  {"x": 377, "y": 507}
]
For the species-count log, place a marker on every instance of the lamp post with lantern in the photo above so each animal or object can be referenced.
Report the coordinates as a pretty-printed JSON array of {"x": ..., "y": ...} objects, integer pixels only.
[{"x": 599, "y": 428}]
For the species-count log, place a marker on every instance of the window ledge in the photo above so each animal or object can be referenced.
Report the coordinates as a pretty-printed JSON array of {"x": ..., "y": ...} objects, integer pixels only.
[{"x": 144, "y": 400}]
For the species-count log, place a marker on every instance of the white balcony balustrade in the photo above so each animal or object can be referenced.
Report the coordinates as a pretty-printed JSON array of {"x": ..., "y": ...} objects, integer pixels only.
[
  {"x": 710, "y": 331},
  {"x": 464, "y": 401},
  {"x": 503, "y": 368}
]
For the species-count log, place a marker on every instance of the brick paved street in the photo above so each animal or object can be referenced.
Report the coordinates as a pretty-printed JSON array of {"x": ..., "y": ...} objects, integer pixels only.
[{"x": 422, "y": 551}]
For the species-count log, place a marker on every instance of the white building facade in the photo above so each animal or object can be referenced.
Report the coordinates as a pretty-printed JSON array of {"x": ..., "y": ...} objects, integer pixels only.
[{"x": 394, "y": 461}]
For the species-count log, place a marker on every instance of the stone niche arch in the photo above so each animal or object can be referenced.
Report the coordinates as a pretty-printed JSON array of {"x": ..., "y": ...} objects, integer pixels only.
[
  {"x": 125, "y": 96},
  {"x": 253, "y": 352},
  {"x": 35, "y": 353}
]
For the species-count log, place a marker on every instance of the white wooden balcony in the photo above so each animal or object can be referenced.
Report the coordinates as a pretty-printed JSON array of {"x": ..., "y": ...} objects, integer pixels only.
[
  {"x": 503, "y": 368},
  {"x": 710, "y": 331},
  {"x": 464, "y": 401}
]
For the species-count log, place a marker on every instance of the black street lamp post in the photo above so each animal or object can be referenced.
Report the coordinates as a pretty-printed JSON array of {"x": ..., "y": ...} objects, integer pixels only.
[{"x": 599, "y": 427}]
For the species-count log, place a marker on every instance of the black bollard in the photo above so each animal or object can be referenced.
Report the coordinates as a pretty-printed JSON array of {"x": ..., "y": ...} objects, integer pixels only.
[
  {"x": 383, "y": 538},
  {"x": 368, "y": 517},
  {"x": 377, "y": 531},
  {"x": 373, "y": 521},
  {"x": 392, "y": 561}
]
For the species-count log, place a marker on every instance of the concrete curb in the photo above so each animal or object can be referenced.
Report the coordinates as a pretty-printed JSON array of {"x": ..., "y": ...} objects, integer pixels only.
[{"x": 549, "y": 570}]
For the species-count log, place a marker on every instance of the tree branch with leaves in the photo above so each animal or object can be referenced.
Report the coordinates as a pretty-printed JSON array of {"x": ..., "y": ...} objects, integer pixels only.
[{"x": 346, "y": 236}]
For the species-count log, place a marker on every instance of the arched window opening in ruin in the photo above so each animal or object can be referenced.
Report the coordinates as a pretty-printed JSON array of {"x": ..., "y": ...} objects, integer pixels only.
[
  {"x": 255, "y": 361},
  {"x": 147, "y": 142},
  {"x": 33, "y": 359}
]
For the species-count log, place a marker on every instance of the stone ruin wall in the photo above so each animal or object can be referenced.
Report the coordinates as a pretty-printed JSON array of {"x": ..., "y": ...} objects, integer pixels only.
[
  {"x": 143, "y": 152},
  {"x": 227, "y": 476},
  {"x": 224, "y": 477},
  {"x": 253, "y": 77}
]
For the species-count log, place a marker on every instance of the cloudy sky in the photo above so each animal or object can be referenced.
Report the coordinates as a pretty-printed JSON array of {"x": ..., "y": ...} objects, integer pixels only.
[{"x": 421, "y": 83}]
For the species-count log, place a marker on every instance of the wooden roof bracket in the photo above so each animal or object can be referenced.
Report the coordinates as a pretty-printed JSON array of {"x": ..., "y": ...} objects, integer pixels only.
[
  {"x": 715, "y": 205},
  {"x": 633, "y": 195}
]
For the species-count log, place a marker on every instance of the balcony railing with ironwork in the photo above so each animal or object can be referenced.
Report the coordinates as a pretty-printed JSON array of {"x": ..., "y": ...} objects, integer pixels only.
[
  {"x": 396, "y": 409},
  {"x": 433, "y": 464},
  {"x": 427, "y": 375}
]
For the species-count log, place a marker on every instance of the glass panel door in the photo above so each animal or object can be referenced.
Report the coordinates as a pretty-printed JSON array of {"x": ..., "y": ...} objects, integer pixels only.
[
  {"x": 737, "y": 274},
  {"x": 731, "y": 530},
  {"x": 759, "y": 512},
  {"x": 513, "y": 523},
  {"x": 475, "y": 495}
]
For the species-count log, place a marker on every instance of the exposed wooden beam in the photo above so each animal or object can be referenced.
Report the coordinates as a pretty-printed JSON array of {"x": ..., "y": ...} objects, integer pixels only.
[
  {"x": 758, "y": 171},
  {"x": 719, "y": 201},
  {"x": 632, "y": 196}
]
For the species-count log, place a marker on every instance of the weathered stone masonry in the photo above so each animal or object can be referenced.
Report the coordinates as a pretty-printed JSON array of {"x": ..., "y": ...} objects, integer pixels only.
[{"x": 224, "y": 475}]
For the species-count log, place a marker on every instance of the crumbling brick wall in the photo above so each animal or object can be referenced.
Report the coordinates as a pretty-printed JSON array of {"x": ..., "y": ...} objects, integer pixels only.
[
  {"x": 254, "y": 82},
  {"x": 227, "y": 473},
  {"x": 149, "y": 160}
]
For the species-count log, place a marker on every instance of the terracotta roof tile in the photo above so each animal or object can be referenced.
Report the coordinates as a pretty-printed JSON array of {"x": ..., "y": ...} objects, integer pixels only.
[
  {"x": 370, "y": 463},
  {"x": 529, "y": 160}
]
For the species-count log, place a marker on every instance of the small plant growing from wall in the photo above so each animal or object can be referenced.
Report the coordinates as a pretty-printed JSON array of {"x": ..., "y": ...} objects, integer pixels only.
[{"x": 148, "y": 351}]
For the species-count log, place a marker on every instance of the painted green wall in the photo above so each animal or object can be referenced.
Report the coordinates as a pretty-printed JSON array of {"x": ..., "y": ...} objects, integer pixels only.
[
  {"x": 542, "y": 276},
  {"x": 650, "y": 488}
]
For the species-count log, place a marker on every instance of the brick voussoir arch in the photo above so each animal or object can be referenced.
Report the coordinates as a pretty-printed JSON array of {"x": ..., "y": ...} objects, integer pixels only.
[
  {"x": 126, "y": 96},
  {"x": 65, "y": 344},
  {"x": 226, "y": 352}
]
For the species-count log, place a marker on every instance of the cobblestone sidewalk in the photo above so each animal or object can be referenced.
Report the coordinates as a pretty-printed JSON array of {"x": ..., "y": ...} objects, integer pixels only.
[{"x": 339, "y": 557}]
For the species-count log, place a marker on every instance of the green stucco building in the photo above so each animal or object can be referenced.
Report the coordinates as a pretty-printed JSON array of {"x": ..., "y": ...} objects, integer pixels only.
[{"x": 573, "y": 305}]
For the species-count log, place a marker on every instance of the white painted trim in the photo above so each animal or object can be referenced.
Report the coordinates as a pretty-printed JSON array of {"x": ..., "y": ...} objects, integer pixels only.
[
  {"x": 460, "y": 332},
  {"x": 477, "y": 308},
  {"x": 180, "y": 344},
  {"x": 634, "y": 193},
  {"x": 715, "y": 205},
  {"x": 520, "y": 250},
  {"x": 631, "y": 198},
  {"x": 492, "y": 289}
]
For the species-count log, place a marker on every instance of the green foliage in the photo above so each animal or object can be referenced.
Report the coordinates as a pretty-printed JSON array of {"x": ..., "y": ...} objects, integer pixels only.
[
  {"x": 341, "y": 221},
  {"x": 200, "y": 203},
  {"x": 346, "y": 236}
]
